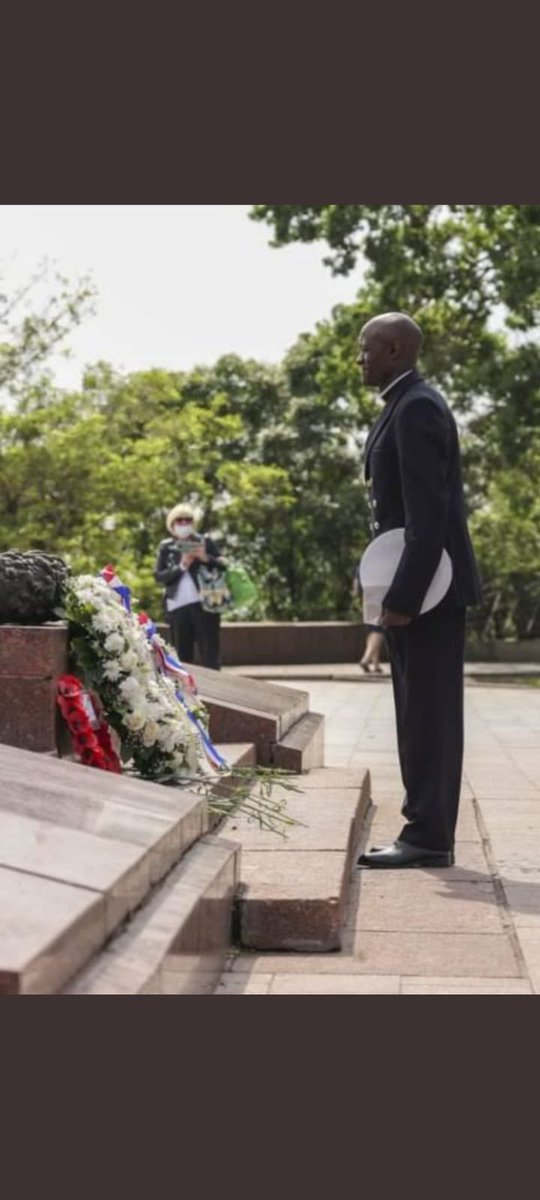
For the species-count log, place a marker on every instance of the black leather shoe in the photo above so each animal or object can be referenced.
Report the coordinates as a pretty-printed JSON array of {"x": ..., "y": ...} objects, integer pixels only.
[{"x": 402, "y": 854}]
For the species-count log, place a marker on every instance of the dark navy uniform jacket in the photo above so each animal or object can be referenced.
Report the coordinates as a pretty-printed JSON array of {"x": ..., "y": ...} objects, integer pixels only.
[{"x": 413, "y": 462}]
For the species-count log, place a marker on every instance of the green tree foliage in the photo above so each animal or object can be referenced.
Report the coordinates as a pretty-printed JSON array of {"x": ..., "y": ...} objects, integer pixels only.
[
  {"x": 506, "y": 532},
  {"x": 269, "y": 456},
  {"x": 479, "y": 254},
  {"x": 93, "y": 474},
  {"x": 35, "y": 320},
  {"x": 470, "y": 275}
]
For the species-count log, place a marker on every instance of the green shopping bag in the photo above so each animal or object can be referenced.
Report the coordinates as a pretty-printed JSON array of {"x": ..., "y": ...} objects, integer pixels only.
[{"x": 241, "y": 587}]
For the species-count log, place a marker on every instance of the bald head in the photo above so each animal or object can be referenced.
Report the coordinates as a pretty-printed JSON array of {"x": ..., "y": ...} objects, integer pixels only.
[{"x": 388, "y": 345}]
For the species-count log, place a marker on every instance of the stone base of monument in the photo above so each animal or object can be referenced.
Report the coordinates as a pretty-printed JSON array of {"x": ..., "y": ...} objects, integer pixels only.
[
  {"x": 275, "y": 719},
  {"x": 31, "y": 659}
]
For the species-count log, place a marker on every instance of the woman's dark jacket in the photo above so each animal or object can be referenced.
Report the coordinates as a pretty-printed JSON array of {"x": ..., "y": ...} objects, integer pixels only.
[{"x": 168, "y": 570}]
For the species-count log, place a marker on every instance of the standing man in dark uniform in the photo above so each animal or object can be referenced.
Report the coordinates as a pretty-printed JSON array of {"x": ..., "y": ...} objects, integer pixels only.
[{"x": 412, "y": 460}]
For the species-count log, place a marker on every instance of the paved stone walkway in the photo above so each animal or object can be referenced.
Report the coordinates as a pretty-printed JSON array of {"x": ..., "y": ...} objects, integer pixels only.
[
  {"x": 472, "y": 929},
  {"x": 494, "y": 672}
]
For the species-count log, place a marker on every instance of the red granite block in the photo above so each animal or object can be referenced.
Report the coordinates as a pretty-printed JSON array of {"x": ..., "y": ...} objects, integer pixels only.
[
  {"x": 31, "y": 659},
  {"x": 28, "y": 713},
  {"x": 33, "y": 651},
  {"x": 241, "y": 725}
]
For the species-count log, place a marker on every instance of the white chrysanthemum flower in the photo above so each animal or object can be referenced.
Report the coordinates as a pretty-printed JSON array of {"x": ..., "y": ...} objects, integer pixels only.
[
  {"x": 153, "y": 716},
  {"x": 130, "y": 687},
  {"x": 195, "y": 753},
  {"x": 179, "y": 760},
  {"x": 165, "y": 738},
  {"x": 128, "y": 660},
  {"x": 150, "y": 733},
  {"x": 85, "y": 596},
  {"x": 112, "y": 670},
  {"x": 135, "y": 721},
  {"x": 114, "y": 643},
  {"x": 103, "y": 622}
]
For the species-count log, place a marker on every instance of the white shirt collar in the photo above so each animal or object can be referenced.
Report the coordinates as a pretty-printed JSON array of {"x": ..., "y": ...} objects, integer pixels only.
[{"x": 394, "y": 381}]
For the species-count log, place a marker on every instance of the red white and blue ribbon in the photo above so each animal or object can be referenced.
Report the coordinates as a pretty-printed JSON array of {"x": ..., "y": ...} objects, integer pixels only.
[
  {"x": 169, "y": 664},
  {"x": 167, "y": 661},
  {"x": 212, "y": 753},
  {"x": 108, "y": 574}
]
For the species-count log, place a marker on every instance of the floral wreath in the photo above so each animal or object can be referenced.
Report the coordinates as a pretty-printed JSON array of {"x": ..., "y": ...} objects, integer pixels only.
[
  {"x": 136, "y": 680},
  {"x": 90, "y": 733}
]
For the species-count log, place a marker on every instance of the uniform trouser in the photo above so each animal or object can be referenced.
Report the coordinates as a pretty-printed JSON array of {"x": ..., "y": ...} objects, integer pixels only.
[
  {"x": 427, "y": 674},
  {"x": 190, "y": 625}
]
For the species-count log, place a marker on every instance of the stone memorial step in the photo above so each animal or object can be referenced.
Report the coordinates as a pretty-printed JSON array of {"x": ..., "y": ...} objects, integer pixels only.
[
  {"x": 178, "y": 941},
  {"x": 293, "y": 892},
  {"x": 238, "y": 754},
  {"x": 164, "y": 821},
  {"x": 47, "y": 931},
  {"x": 80, "y": 850},
  {"x": 249, "y": 709},
  {"x": 302, "y": 748}
]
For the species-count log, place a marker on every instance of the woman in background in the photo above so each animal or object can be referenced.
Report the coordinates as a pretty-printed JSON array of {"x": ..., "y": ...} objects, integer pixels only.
[
  {"x": 179, "y": 569},
  {"x": 372, "y": 652},
  {"x": 371, "y": 658}
]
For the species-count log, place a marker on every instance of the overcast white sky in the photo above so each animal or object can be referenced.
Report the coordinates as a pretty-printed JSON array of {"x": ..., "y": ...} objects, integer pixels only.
[{"x": 178, "y": 285}]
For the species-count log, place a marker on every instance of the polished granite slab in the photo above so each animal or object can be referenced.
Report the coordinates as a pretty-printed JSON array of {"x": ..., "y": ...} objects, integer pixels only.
[
  {"x": 120, "y": 871},
  {"x": 177, "y": 943},
  {"x": 48, "y": 930},
  {"x": 286, "y": 704},
  {"x": 93, "y": 845}
]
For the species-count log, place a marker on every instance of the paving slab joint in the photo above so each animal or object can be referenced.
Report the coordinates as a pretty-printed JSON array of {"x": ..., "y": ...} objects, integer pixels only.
[{"x": 500, "y": 894}]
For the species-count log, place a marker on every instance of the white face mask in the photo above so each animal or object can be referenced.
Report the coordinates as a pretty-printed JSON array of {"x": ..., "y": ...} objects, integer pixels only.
[{"x": 181, "y": 530}]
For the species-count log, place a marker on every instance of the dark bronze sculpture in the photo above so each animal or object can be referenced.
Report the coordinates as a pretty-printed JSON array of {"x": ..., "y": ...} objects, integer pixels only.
[{"x": 31, "y": 586}]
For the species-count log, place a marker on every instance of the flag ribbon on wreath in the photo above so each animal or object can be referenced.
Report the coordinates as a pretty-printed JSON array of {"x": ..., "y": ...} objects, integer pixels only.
[
  {"x": 169, "y": 664},
  {"x": 108, "y": 574}
]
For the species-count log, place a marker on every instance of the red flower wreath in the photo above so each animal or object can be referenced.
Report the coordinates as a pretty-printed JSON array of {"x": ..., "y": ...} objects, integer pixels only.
[{"x": 90, "y": 733}]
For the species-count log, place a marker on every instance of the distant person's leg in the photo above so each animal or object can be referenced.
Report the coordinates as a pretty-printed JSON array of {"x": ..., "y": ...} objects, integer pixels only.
[
  {"x": 372, "y": 652},
  {"x": 183, "y": 631},
  {"x": 211, "y": 640}
]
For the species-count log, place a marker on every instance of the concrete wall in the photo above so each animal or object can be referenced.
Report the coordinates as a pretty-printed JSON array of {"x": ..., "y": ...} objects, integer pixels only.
[{"x": 276, "y": 643}]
